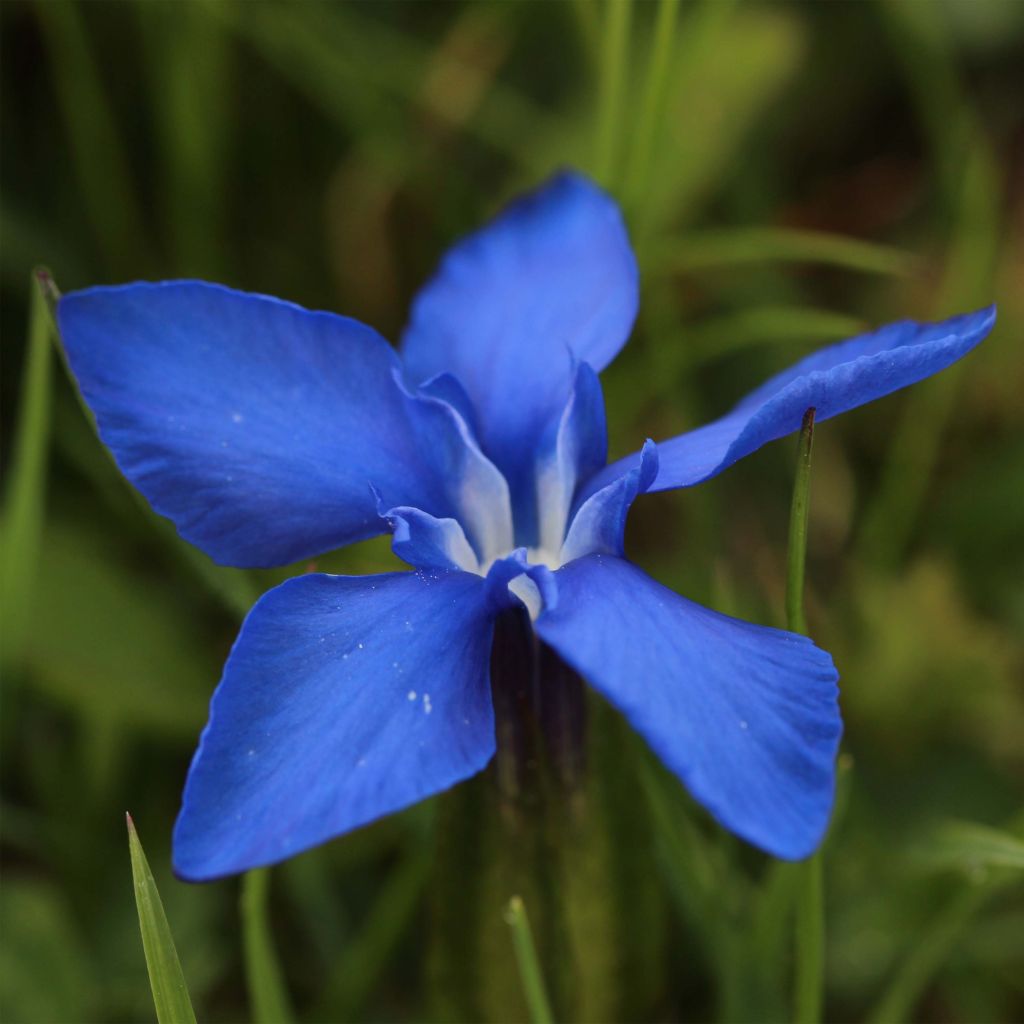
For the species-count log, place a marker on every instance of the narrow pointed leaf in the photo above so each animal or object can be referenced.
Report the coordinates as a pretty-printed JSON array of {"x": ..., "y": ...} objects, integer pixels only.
[{"x": 170, "y": 994}]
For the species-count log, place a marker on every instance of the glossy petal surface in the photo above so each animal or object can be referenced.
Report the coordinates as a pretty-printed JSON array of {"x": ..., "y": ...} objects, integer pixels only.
[
  {"x": 833, "y": 380},
  {"x": 255, "y": 425},
  {"x": 746, "y": 716},
  {"x": 344, "y": 699},
  {"x": 550, "y": 280}
]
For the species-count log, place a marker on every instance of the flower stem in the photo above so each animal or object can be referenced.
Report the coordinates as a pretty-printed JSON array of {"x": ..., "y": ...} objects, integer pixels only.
[
  {"x": 810, "y": 897},
  {"x": 526, "y": 959},
  {"x": 267, "y": 995},
  {"x": 798, "y": 529}
]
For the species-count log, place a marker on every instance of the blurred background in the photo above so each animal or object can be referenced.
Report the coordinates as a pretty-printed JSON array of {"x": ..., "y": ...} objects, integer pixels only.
[{"x": 791, "y": 174}]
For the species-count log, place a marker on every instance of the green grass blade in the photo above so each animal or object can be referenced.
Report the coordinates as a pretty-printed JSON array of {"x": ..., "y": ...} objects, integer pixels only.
[
  {"x": 526, "y": 959},
  {"x": 268, "y": 997},
  {"x": 799, "y": 512},
  {"x": 913, "y": 975},
  {"x": 25, "y": 496},
  {"x": 97, "y": 145},
  {"x": 170, "y": 994},
  {"x": 740, "y": 247},
  {"x": 369, "y": 951},
  {"x": 971, "y": 846},
  {"x": 612, "y": 73},
  {"x": 810, "y": 905},
  {"x": 652, "y": 105}
]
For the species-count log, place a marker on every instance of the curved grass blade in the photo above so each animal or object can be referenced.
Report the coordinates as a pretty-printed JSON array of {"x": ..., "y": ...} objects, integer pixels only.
[
  {"x": 913, "y": 976},
  {"x": 740, "y": 247},
  {"x": 971, "y": 846},
  {"x": 24, "y": 499},
  {"x": 526, "y": 959},
  {"x": 268, "y": 997},
  {"x": 170, "y": 994}
]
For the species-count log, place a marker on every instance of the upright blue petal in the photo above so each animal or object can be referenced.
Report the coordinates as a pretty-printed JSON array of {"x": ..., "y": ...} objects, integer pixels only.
[
  {"x": 833, "y": 380},
  {"x": 344, "y": 699},
  {"x": 258, "y": 427},
  {"x": 551, "y": 279},
  {"x": 746, "y": 716},
  {"x": 574, "y": 450},
  {"x": 599, "y": 526}
]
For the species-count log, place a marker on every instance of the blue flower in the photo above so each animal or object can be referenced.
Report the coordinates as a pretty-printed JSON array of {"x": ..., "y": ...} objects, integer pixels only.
[{"x": 269, "y": 434}]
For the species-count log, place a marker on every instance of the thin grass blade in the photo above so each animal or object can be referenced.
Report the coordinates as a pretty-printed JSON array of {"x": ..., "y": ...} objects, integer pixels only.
[
  {"x": 25, "y": 497},
  {"x": 810, "y": 900},
  {"x": 740, "y": 247},
  {"x": 268, "y": 997},
  {"x": 170, "y": 993},
  {"x": 534, "y": 988}
]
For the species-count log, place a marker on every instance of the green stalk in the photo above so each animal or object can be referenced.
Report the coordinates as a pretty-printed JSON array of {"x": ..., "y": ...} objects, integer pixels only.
[
  {"x": 612, "y": 87},
  {"x": 810, "y": 899},
  {"x": 529, "y": 966},
  {"x": 268, "y": 997},
  {"x": 653, "y": 101},
  {"x": 25, "y": 497},
  {"x": 798, "y": 529}
]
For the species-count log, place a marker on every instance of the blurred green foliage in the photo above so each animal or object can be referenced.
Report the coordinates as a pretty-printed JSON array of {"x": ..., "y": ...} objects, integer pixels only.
[{"x": 790, "y": 172}]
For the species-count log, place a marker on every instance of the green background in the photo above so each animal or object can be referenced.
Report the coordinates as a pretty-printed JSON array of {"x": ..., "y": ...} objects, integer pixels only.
[{"x": 328, "y": 154}]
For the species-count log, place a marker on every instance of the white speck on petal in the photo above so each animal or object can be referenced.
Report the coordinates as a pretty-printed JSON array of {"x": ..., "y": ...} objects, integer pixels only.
[
  {"x": 743, "y": 724},
  {"x": 237, "y": 417},
  {"x": 411, "y": 695}
]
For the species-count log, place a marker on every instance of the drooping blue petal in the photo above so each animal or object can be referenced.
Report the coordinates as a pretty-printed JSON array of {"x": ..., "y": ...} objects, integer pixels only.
[
  {"x": 833, "y": 380},
  {"x": 574, "y": 450},
  {"x": 425, "y": 542},
  {"x": 255, "y": 425},
  {"x": 344, "y": 699},
  {"x": 514, "y": 578},
  {"x": 552, "y": 278},
  {"x": 599, "y": 526},
  {"x": 746, "y": 716}
]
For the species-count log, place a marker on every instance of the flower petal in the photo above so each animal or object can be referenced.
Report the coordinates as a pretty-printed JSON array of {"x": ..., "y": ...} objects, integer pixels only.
[
  {"x": 255, "y": 425},
  {"x": 599, "y": 527},
  {"x": 746, "y": 716},
  {"x": 833, "y": 380},
  {"x": 425, "y": 542},
  {"x": 574, "y": 450},
  {"x": 553, "y": 278},
  {"x": 344, "y": 699}
]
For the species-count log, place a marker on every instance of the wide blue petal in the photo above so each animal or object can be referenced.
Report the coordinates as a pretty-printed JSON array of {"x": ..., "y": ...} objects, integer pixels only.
[
  {"x": 746, "y": 716},
  {"x": 255, "y": 425},
  {"x": 344, "y": 699},
  {"x": 553, "y": 278},
  {"x": 833, "y": 380}
]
